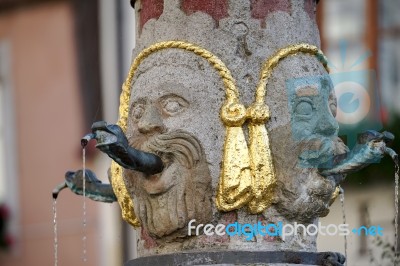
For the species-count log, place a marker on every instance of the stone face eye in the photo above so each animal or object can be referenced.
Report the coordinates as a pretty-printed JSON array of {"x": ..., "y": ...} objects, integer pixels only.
[
  {"x": 333, "y": 109},
  {"x": 304, "y": 108},
  {"x": 332, "y": 102},
  {"x": 173, "y": 104},
  {"x": 138, "y": 110}
]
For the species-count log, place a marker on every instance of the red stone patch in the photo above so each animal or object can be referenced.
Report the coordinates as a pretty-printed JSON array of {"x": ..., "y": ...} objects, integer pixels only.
[
  {"x": 217, "y": 9},
  {"x": 310, "y": 7},
  {"x": 229, "y": 217},
  {"x": 150, "y": 9},
  {"x": 261, "y": 8},
  {"x": 149, "y": 242}
]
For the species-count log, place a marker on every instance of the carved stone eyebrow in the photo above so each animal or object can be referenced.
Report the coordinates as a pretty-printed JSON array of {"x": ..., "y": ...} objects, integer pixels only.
[
  {"x": 140, "y": 100},
  {"x": 307, "y": 90}
]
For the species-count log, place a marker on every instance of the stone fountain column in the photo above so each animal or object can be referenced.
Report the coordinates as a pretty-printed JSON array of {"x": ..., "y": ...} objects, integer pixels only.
[{"x": 175, "y": 104}]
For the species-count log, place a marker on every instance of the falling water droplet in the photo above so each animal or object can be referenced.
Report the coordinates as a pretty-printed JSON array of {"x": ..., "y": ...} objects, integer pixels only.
[
  {"x": 55, "y": 232},
  {"x": 341, "y": 195},
  {"x": 84, "y": 203}
]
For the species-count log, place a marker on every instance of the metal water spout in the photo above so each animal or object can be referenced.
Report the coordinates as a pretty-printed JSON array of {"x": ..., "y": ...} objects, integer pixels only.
[
  {"x": 85, "y": 140},
  {"x": 371, "y": 146},
  {"x": 112, "y": 141}
]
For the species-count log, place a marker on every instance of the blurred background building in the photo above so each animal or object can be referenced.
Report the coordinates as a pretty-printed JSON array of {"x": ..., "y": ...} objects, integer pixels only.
[
  {"x": 361, "y": 39},
  {"x": 62, "y": 63}
]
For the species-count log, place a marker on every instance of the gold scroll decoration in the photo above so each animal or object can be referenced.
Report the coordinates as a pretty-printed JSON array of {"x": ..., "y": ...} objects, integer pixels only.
[
  {"x": 254, "y": 186},
  {"x": 232, "y": 111}
]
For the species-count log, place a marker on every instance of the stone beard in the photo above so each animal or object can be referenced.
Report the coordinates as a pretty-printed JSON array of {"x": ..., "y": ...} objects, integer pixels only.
[
  {"x": 166, "y": 202},
  {"x": 173, "y": 116},
  {"x": 312, "y": 138}
]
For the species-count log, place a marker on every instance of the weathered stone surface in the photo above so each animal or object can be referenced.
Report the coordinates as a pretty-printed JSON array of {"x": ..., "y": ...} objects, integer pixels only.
[
  {"x": 243, "y": 43},
  {"x": 217, "y": 9}
]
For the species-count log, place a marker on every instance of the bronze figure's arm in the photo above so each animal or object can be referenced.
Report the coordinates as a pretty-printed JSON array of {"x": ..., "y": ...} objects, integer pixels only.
[{"x": 371, "y": 147}]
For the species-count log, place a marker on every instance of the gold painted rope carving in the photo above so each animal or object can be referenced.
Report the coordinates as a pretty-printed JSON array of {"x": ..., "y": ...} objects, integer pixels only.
[
  {"x": 232, "y": 113},
  {"x": 273, "y": 61},
  {"x": 260, "y": 152},
  {"x": 250, "y": 180},
  {"x": 232, "y": 93},
  {"x": 247, "y": 174}
]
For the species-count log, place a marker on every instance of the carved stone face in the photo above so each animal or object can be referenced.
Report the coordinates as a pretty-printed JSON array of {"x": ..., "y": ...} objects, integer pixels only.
[
  {"x": 312, "y": 105},
  {"x": 312, "y": 138},
  {"x": 168, "y": 117}
]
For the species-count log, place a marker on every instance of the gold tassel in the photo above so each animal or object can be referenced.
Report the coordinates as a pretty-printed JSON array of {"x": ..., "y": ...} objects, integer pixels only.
[
  {"x": 234, "y": 189},
  {"x": 235, "y": 180},
  {"x": 262, "y": 168}
]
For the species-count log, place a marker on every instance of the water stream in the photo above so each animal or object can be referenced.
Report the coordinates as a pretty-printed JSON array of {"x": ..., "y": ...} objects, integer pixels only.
[
  {"x": 341, "y": 195},
  {"x": 84, "y": 203},
  {"x": 396, "y": 204},
  {"x": 55, "y": 232},
  {"x": 56, "y": 190}
]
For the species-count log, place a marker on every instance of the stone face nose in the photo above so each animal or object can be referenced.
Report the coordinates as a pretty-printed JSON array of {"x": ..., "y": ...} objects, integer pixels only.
[
  {"x": 151, "y": 121},
  {"x": 327, "y": 125}
]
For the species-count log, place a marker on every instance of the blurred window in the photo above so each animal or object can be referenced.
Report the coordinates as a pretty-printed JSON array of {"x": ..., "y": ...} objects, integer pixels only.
[
  {"x": 9, "y": 193},
  {"x": 351, "y": 29},
  {"x": 389, "y": 53},
  {"x": 345, "y": 22},
  {"x": 2, "y": 146}
]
